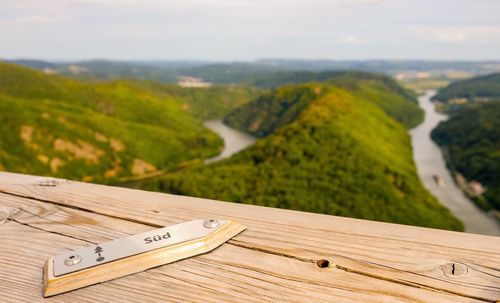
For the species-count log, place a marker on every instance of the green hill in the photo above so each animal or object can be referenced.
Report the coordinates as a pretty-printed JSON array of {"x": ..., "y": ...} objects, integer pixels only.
[
  {"x": 204, "y": 103},
  {"x": 474, "y": 89},
  {"x": 103, "y": 131},
  {"x": 398, "y": 102},
  {"x": 472, "y": 138},
  {"x": 327, "y": 149}
]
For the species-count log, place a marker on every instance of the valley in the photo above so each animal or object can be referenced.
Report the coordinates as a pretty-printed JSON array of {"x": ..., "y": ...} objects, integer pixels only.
[
  {"x": 428, "y": 158},
  {"x": 314, "y": 156},
  {"x": 332, "y": 142}
]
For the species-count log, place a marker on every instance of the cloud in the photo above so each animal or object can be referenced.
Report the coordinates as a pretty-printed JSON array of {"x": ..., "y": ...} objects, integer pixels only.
[
  {"x": 449, "y": 36},
  {"x": 458, "y": 34},
  {"x": 350, "y": 39},
  {"x": 41, "y": 19},
  {"x": 249, "y": 29},
  {"x": 229, "y": 3}
]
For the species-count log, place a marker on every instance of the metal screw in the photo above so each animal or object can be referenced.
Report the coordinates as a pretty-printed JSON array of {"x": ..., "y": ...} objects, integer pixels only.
[
  {"x": 211, "y": 223},
  {"x": 72, "y": 260}
]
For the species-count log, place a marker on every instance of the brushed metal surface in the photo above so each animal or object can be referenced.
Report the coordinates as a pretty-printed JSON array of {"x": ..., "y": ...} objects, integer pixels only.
[{"x": 121, "y": 248}]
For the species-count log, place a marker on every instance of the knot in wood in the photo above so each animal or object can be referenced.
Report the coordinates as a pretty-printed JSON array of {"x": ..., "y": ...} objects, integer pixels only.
[{"x": 454, "y": 269}]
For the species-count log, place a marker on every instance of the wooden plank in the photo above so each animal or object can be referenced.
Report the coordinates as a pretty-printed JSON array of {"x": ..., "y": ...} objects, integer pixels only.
[
  {"x": 232, "y": 274},
  {"x": 389, "y": 262}
]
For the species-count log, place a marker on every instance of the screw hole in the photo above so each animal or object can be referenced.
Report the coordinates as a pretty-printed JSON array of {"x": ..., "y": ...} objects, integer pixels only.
[
  {"x": 71, "y": 257},
  {"x": 323, "y": 263}
]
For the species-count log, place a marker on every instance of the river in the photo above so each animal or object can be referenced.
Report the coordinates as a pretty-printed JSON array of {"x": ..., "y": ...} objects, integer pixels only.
[
  {"x": 429, "y": 161},
  {"x": 234, "y": 140}
]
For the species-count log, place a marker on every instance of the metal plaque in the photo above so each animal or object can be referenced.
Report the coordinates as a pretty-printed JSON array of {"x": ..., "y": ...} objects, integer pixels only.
[{"x": 125, "y": 247}]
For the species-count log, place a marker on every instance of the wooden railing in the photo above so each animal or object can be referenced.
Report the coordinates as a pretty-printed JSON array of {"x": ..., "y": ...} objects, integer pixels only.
[{"x": 283, "y": 256}]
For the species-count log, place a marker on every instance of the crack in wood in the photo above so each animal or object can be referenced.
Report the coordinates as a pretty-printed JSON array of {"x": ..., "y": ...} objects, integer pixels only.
[
  {"x": 82, "y": 209},
  {"x": 268, "y": 251},
  {"x": 411, "y": 284},
  {"x": 49, "y": 231},
  {"x": 363, "y": 273},
  {"x": 205, "y": 262},
  {"x": 489, "y": 288}
]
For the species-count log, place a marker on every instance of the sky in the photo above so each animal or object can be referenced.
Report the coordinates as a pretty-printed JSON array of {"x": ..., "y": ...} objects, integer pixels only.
[{"x": 244, "y": 30}]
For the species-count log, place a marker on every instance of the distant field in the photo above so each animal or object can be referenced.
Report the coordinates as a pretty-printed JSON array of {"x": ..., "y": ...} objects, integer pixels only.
[{"x": 424, "y": 84}]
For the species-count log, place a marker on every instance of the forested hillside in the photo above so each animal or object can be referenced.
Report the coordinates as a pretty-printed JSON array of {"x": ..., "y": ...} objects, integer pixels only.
[
  {"x": 475, "y": 89},
  {"x": 472, "y": 139},
  {"x": 204, "y": 103},
  {"x": 398, "y": 102},
  {"x": 334, "y": 149},
  {"x": 103, "y": 131}
]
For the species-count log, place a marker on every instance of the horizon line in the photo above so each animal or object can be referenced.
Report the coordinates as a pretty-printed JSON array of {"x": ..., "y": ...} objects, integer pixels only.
[{"x": 195, "y": 60}]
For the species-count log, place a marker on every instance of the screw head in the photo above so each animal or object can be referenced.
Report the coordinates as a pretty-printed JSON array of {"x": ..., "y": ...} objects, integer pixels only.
[
  {"x": 211, "y": 223},
  {"x": 72, "y": 260}
]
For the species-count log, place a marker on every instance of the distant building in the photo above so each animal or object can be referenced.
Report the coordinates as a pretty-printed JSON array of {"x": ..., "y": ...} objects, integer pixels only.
[
  {"x": 412, "y": 75},
  {"x": 50, "y": 71},
  {"x": 185, "y": 81},
  {"x": 77, "y": 70}
]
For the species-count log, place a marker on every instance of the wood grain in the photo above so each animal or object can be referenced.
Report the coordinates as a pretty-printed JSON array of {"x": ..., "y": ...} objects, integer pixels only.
[{"x": 274, "y": 260}]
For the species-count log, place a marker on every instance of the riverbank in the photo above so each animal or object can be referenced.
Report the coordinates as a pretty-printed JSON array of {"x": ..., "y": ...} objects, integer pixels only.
[{"x": 431, "y": 165}]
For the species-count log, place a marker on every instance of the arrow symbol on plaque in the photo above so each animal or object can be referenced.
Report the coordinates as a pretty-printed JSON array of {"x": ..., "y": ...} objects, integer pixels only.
[{"x": 98, "y": 250}]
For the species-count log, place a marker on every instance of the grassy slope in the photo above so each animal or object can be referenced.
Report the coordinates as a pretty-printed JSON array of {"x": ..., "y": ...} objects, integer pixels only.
[
  {"x": 52, "y": 118},
  {"x": 472, "y": 138},
  {"x": 331, "y": 150}
]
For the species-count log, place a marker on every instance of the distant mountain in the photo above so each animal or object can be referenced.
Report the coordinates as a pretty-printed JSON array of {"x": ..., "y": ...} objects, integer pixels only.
[
  {"x": 383, "y": 66},
  {"x": 472, "y": 140},
  {"x": 480, "y": 88},
  {"x": 251, "y": 72},
  {"x": 104, "y": 131},
  {"x": 37, "y": 64},
  {"x": 333, "y": 147}
]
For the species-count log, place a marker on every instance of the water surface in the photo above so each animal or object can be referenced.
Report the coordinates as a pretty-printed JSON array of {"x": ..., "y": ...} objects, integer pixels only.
[{"x": 234, "y": 140}]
